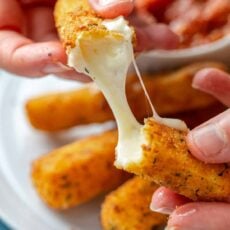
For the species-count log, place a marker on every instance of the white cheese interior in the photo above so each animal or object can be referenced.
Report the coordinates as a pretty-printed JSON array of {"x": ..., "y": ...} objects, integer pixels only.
[{"x": 106, "y": 60}]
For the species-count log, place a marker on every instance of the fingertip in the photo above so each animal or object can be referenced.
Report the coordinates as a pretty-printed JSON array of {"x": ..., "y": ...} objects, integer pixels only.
[
  {"x": 159, "y": 202},
  {"x": 200, "y": 215},
  {"x": 215, "y": 82},
  {"x": 181, "y": 217},
  {"x": 199, "y": 80},
  {"x": 112, "y": 9},
  {"x": 157, "y": 36},
  {"x": 209, "y": 142},
  {"x": 39, "y": 59},
  {"x": 165, "y": 201},
  {"x": 169, "y": 39}
]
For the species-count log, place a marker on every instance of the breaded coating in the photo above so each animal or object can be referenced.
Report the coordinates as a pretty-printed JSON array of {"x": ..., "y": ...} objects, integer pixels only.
[
  {"x": 58, "y": 111},
  {"x": 170, "y": 93},
  {"x": 78, "y": 172},
  {"x": 74, "y": 16},
  {"x": 127, "y": 208},
  {"x": 167, "y": 161}
]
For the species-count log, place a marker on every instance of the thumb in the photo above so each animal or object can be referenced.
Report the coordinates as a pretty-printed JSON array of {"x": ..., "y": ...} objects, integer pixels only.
[
  {"x": 112, "y": 8},
  {"x": 211, "y": 141}
]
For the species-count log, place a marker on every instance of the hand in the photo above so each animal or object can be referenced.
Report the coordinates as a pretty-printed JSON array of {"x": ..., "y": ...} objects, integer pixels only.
[
  {"x": 210, "y": 143},
  {"x": 29, "y": 45},
  {"x": 28, "y": 41},
  {"x": 149, "y": 34}
]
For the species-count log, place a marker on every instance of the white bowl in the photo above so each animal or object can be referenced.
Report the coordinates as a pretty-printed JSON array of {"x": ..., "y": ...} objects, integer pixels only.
[{"x": 156, "y": 60}]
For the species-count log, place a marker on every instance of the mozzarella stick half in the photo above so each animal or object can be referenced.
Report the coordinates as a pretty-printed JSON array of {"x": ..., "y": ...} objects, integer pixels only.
[
  {"x": 128, "y": 207},
  {"x": 170, "y": 93},
  {"x": 75, "y": 16},
  {"x": 155, "y": 151},
  {"x": 78, "y": 172},
  {"x": 166, "y": 160}
]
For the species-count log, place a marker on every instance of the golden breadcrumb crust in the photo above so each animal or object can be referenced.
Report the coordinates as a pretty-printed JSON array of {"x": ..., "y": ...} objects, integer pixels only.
[
  {"x": 127, "y": 208},
  {"x": 72, "y": 17},
  {"x": 75, "y": 16},
  {"x": 168, "y": 162},
  {"x": 78, "y": 172}
]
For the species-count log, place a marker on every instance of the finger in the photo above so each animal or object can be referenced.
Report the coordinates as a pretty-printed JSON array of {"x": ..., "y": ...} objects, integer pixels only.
[
  {"x": 9, "y": 20},
  {"x": 165, "y": 201},
  {"x": 214, "y": 82},
  {"x": 200, "y": 216},
  {"x": 38, "y": 2},
  {"x": 112, "y": 8},
  {"x": 41, "y": 26},
  {"x": 211, "y": 142},
  {"x": 23, "y": 57},
  {"x": 141, "y": 19},
  {"x": 153, "y": 5},
  {"x": 75, "y": 76},
  {"x": 157, "y": 36}
]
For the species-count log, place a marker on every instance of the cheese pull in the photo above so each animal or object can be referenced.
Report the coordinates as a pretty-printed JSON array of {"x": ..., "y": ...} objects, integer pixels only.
[
  {"x": 103, "y": 50},
  {"x": 60, "y": 110}
]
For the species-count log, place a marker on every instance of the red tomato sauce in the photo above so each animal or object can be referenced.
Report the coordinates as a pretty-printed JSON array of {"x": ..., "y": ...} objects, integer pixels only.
[{"x": 196, "y": 22}]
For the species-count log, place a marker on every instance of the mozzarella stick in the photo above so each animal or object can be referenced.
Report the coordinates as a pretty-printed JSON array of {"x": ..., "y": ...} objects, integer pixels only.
[
  {"x": 78, "y": 172},
  {"x": 166, "y": 160},
  {"x": 128, "y": 207},
  {"x": 170, "y": 93},
  {"x": 75, "y": 16},
  {"x": 55, "y": 112}
]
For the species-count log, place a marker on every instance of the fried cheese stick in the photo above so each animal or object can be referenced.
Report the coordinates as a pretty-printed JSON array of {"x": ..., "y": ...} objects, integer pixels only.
[
  {"x": 78, "y": 172},
  {"x": 127, "y": 208},
  {"x": 170, "y": 93},
  {"x": 166, "y": 160},
  {"x": 74, "y": 16},
  {"x": 164, "y": 156}
]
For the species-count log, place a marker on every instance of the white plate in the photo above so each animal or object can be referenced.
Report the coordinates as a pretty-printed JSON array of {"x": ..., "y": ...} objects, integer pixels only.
[{"x": 20, "y": 206}]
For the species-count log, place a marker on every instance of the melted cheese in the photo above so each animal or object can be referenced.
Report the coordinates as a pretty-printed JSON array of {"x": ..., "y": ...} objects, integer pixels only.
[{"x": 106, "y": 59}]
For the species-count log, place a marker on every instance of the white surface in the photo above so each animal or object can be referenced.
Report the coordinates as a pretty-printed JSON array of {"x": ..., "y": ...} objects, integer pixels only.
[
  {"x": 20, "y": 206},
  {"x": 162, "y": 60}
]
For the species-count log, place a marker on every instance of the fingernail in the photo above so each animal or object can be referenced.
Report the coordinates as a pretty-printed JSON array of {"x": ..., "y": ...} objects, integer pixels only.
[
  {"x": 196, "y": 83},
  {"x": 64, "y": 66},
  {"x": 164, "y": 210},
  {"x": 105, "y": 2},
  {"x": 210, "y": 140},
  {"x": 185, "y": 213},
  {"x": 171, "y": 228},
  {"x": 109, "y": 2},
  {"x": 52, "y": 69}
]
